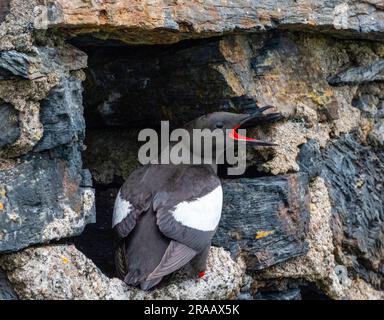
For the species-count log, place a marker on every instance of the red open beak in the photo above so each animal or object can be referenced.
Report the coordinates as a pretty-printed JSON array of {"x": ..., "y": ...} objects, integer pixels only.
[{"x": 254, "y": 119}]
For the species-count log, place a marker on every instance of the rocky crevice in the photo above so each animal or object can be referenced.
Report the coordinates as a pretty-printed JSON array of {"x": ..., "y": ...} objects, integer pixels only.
[{"x": 309, "y": 213}]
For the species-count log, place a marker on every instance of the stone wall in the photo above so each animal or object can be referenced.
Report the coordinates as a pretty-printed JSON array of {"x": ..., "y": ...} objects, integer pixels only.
[{"x": 75, "y": 87}]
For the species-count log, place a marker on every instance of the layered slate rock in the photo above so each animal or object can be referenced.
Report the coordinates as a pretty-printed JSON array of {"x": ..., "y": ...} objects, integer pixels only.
[
  {"x": 31, "y": 81},
  {"x": 369, "y": 99},
  {"x": 73, "y": 276},
  {"x": 358, "y": 75},
  {"x": 265, "y": 220},
  {"x": 6, "y": 290},
  {"x": 353, "y": 175},
  {"x": 9, "y": 124},
  {"x": 320, "y": 265},
  {"x": 62, "y": 114},
  {"x": 45, "y": 60},
  {"x": 44, "y": 198},
  {"x": 14, "y": 64},
  {"x": 44, "y": 192},
  {"x": 158, "y": 22}
]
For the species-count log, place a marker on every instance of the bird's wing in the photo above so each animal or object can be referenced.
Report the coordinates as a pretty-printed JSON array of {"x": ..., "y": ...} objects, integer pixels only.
[
  {"x": 187, "y": 201},
  {"x": 190, "y": 211},
  {"x": 133, "y": 199},
  {"x": 176, "y": 256}
]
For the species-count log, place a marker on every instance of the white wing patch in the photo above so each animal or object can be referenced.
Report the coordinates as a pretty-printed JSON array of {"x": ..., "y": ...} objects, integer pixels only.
[
  {"x": 121, "y": 210},
  {"x": 203, "y": 213}
]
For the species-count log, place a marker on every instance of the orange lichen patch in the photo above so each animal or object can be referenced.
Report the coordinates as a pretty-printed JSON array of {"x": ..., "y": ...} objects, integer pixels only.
[
  {"x": 316, "y": 98},
  {"x": 65, "y": 260},
  {"x": 1, "y": 206},
  {"x": 263, "y": 234},
  {"x": 365, "y": 129}
]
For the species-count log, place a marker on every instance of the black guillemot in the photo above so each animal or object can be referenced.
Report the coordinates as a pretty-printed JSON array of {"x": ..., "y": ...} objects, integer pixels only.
[{"x": 165, "y": 216}]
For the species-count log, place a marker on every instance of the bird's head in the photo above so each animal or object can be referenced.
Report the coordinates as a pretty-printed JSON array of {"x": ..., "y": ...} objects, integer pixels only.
[{"x": 229, "y": 123}]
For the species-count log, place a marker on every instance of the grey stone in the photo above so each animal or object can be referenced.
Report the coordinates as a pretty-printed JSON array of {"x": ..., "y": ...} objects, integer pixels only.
[
  {"x": 9, "y": 124},
  {"x": 293, "y": 294},
  {"x": 179, "y": 20},
  {"x": 41, "y": 200},
  {"x": 265, "y": 220},
  {"x": 244, "y": 296},
  {"x": 73, "y": 276},
  {"x": 6, "y": 290},
  {"x": 366, "y": 103},
  {"x": 63, "y": 58},
  {"x": 46, "y": 194},
  {"x": 62, "y": 115},
  {"x": 15, "y": 64},
  {"x": 353, "y": 175},
  {"x": 358, "y": 75},
  {"x": 44, "y": 60},
  {"x": 310, "y": 158}
]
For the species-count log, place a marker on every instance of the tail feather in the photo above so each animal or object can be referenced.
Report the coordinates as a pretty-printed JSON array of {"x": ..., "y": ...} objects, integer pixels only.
[
  {"x": 146, "y": 285},
  {"x": 120, "y": 261}
]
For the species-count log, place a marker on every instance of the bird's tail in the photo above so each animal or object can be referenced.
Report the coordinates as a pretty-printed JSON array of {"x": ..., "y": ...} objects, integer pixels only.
[
  {"x": 130, "y": 278},
  {"x": 146, "y": 285},
  {"x": 120, "y": 261}
]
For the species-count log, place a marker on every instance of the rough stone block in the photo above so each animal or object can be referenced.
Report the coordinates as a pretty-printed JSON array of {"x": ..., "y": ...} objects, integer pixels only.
[
  {"x": 41, "y": 199},
  {"x": 15, "y": 64},
  {"x": 265, "y": 220},
  {"x": 140, "y": 22},
  {"x": 62, "y": 115},
  {"x": 73, "y": 276},
  {"x": 9, "y": 124},
  {"x": 358, "y": 75},
  {"x": 353, "y": 175}
]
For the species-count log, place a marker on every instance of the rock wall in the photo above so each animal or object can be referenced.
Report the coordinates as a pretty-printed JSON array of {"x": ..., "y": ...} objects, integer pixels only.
[
  {"x": 157, "y": 21},
  {"x": 75, "y": 88}
]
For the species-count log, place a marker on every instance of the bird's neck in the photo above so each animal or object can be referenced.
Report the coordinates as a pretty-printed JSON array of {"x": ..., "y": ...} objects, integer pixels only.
[{"x": 167, "y": 155}]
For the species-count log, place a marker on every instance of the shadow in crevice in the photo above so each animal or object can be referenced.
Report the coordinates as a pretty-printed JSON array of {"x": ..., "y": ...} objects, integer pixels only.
[{"x": 97, "y": 241}]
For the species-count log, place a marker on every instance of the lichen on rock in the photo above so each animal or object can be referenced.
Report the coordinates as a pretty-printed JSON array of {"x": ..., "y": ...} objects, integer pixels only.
[
  {"x": 319, "y": 265},
  {"x": 79, "y": 79},
  {"x": 58, "y": 272}
]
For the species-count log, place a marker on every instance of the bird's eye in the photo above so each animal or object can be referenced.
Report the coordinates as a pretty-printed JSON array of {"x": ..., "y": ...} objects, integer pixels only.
[{"x": 219, "y": 125}]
